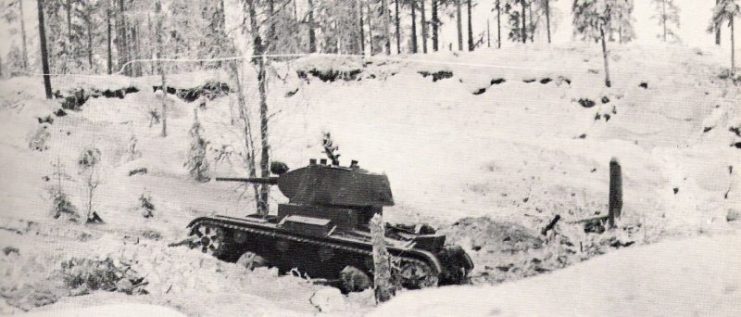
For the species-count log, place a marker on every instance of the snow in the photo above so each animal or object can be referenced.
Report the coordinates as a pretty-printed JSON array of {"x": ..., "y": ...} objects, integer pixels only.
[
  {"x": 512, "y": 154},
  {"x": 691, "y": 277},
  {"x": 114, "y": 310}
]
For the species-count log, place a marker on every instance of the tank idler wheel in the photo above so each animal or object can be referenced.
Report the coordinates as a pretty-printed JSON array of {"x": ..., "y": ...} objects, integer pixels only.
[
  {"x": 251, "y": 261},
  {"x": 208, "y": 239},
  {"x": 353, "y": 279},
  {"x": 416, "y": 275}
]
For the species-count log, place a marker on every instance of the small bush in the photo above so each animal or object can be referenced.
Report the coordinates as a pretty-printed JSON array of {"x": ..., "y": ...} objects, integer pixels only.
[
  {"x": 39, "y": 140},
  {"x": 86, "y": 275},
  {"x": 146, "y": 205},
  {"x": 63, "y": 208}
]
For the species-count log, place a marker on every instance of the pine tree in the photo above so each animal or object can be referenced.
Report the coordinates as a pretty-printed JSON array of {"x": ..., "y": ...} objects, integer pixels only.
[
  {"x": 470, "y": 26},
  {"x": 726, "y": 11},
  {"x": 423, "y": 25},
  {"x": 592, "y": 20},
  {"x": 459, "y": 23},
  {"x": 197, "y": 162},
  {"x": 44, "y": 53},
  {"x": 667, "y": 14}
]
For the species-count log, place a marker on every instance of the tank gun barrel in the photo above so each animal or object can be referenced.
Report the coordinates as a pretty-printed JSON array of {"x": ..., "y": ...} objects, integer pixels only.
[{"x": 254, "y": 180}]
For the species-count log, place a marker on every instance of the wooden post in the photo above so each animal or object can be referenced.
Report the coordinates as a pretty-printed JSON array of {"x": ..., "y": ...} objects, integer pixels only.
[{"x": 616, "y": 192}]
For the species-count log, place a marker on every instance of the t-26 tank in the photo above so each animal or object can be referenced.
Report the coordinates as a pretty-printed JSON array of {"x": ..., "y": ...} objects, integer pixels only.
[{"x": 323, "y": 231}]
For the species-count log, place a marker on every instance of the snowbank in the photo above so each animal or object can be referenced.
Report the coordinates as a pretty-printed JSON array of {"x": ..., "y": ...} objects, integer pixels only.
[
  {"x": 693, "y": 277},
  {"x": 114, "y": 310}
]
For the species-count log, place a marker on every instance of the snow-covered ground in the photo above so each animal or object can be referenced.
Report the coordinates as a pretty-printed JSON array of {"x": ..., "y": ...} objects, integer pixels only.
[
  {"x": 518, "y": 151},
  {"x": 692, "y": 277}
]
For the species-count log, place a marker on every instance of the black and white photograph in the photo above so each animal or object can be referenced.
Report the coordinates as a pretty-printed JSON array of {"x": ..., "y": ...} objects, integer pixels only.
[{"x": 370, "y": 158}]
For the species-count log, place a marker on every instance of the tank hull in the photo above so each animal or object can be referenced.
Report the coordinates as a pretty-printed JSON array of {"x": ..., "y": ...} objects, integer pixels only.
[{"x": 325, "y": 255}]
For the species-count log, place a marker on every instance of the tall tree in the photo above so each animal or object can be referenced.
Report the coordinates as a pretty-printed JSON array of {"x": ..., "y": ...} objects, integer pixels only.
[
  {"x": 386, "y": 23},
  {"x": 667, "y": 14},
  {"x": 23, "y": 35},
  {"x": 424, "y": 25},
  {"x": 717, "y": 28},
  {"x": 459, "y": 23},
  {"x": 414, "y": 26},
  {"x": 397, "y": 25},
  {"x": 44, "y": 53},
  {"x": 592, "y": 20},
  {"x": 488, "y": 34},
  {"x": 470, "y": 27},
  {"x": 435, "y": 25},
  {"x": 498, "y": 7},
  {"x": 726, "y": 11},
  {"x": 547, "y": 8},
  {"x": 109, "y": 40},
  {"x": 360, "y": 28},
  {"x": 312, "y": 33},
  {"x": 158, "y": 11}
]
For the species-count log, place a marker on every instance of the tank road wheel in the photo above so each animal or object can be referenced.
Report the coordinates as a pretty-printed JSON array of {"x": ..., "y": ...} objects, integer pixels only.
[
  {"x": 251, "y": 261},
  {"x": 353, "y": 279},
  {"x": 209, "y": 240},
  {"x": 415, "y": 275}
]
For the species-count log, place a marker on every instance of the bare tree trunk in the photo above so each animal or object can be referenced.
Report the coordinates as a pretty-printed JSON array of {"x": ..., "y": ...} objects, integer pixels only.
[
  {"x": 386, "y": 22},
  {"x": 604, "y": 56},
  {"x": 160, "y": 50},
  {"x": 258, "y": 58},
  {"x": 249, "y": 143},
  {"x": 414, "y": 28},
  {"x": 663, "y": 17},
  {"x": 548, "y": 19},
  {"x": 488, "y": 34},
  {"x": 459, "y": 23},
  {"x": 109, "y": 40},
  {"x": 717, "y": 29},
  {"x": 532, "y": 24},
  {"x": 382, "y": 286},
  {"x": 89, "y": 40},
  {"x": 435, "y": 24},
  {"x": 398, "y": 32},
  {"x": 312, "y": 34},
  {"x": 733, "y": 46},
  {"x": 124, "y": 54},
  {"x": 23, "y": 37},
  {"x": 524, "y": 23},
  {"x": 499, "y": 24},
  {"x": 615, "y": 201},
  {"x": 44, "y": 53},
  {"x": 424, "y": 26},
  {"x": 360, "y": 27},
  {"x": 149, "y": 41},
  {"x": 370, "y": 29},
  {"x": 271, "y": 27},
  {"x": 470, "y": 27}
]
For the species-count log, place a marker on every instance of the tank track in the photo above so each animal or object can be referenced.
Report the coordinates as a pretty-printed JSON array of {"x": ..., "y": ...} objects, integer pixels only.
[{"x": 407, "y": 255}]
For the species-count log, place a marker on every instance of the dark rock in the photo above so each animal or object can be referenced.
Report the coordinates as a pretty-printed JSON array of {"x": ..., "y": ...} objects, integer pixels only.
[
  {"x": 545, "y": 80},
  {"x": 442, "y": 74},
  {"x": 47, "y": 119},
  {"x": 60, "y": 113},
  {"x": 607, "y": 117},
  {"x": 497, "y": 81},
  {"x": 479, "y": 91},
  {"x": 596, "y": 225},
  {"x": 676, "y": 190},
  {"x": 644, "y": 85},
  {"x": 142, "y": 170},
  {"x": 707, "y": 129},
  {"x": 586, "y": 103},
  {"x": 9, "y": 250},
  {"x": 529, "y": 80},
  {"x": 605, "y": 99},
  {"x": 736, "y": 145},
  {"x": 291, "y": 93},
  {"x": 735, "y": 130},
  {"x": 583, "y": 136}
]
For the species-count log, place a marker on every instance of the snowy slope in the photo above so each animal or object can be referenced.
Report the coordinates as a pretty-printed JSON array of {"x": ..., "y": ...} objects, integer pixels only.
[
  {"x": 511, "y": 152},
  {"x": 692, "y": 277}
]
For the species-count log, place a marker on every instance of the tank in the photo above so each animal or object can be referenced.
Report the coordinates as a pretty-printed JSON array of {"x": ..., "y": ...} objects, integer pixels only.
[{"x": 323, "y": 231}]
